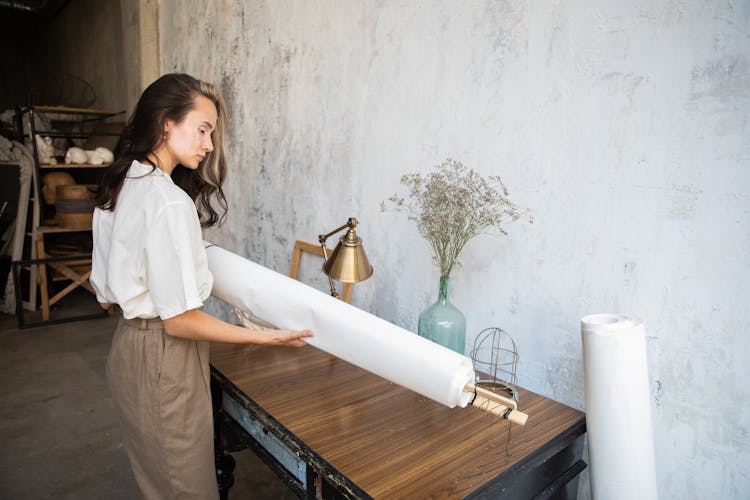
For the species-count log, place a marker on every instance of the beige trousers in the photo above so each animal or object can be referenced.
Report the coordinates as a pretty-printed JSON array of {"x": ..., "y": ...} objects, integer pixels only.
[{"x": 160, "y": 387}]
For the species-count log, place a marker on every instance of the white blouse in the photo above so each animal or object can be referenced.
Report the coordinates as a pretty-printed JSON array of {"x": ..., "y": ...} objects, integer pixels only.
[{"x": 148, "y": 254}]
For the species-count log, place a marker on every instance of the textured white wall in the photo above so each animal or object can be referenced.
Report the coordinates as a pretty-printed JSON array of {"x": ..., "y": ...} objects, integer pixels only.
[{"x": 622, "y": 126}]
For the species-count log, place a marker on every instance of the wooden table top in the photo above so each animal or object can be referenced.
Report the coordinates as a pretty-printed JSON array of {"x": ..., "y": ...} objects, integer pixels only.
[{"x": 390, "y": 441}]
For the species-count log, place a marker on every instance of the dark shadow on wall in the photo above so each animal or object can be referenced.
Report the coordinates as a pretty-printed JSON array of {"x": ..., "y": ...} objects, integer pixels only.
[
  {"x": 63, "y": 52},
  {"x": 20, "y": 21}
]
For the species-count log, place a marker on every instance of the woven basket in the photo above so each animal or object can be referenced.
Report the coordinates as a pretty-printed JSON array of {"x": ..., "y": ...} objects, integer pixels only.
[{"x": 74, "y": 206}]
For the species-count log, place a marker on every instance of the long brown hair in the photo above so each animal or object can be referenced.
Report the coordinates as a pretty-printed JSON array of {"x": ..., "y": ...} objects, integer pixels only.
[{"x": 171, "y": 97}]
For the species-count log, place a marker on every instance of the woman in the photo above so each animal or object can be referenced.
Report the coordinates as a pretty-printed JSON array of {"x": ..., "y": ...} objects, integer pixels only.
[{"x": 149, "y": 259}]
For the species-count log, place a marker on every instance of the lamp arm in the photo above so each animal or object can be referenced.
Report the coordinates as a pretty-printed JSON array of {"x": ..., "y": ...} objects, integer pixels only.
[
  {"x": 351, "y": 223},
  {"x": 325, "y": 258}
]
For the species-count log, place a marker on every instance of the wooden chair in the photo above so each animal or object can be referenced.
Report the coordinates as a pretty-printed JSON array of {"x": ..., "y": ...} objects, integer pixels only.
[
  {"x": 77, "y": 270},
  {"x": 303, "y": 246}
]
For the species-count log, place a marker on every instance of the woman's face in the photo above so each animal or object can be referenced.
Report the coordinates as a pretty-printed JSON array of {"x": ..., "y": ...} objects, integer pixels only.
[{"x": 189, "y": 141}]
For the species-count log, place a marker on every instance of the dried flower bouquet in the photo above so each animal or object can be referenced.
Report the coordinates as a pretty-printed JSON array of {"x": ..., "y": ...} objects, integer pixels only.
[{"x": 452, "y": 205}]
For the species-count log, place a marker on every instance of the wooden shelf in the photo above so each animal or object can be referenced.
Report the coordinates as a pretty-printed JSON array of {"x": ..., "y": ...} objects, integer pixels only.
[
  {"x": 77, "y": 111},
  {"x": 68, "y": 122},
  {"x": 57, "y": 229},
  {"x": 72, "y": 165}
]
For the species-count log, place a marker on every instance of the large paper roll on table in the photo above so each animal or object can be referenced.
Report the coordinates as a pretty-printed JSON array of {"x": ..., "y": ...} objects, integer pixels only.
[
  {"x": 342, "y": 330},
  {"x": 618, "y": 408}
]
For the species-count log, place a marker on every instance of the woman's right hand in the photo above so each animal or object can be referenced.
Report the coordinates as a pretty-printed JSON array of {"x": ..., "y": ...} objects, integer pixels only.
[{"x": 108, "y": 308}]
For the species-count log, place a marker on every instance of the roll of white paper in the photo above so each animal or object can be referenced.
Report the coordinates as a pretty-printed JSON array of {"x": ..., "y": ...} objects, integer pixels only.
[
  {"x": 342, "y": 330},
  {"x": 618, "y": 408}
]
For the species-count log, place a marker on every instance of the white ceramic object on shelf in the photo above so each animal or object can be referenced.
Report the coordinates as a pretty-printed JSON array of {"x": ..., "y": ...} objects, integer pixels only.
[
  {"x": 76, "y": 155},
  {"x": 44, "y": 148}
]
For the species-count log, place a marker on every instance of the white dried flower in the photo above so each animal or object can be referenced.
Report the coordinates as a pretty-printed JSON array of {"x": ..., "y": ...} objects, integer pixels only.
[{"x": 452, "y": 205}]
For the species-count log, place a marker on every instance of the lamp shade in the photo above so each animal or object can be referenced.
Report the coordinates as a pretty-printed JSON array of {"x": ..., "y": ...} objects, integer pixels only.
[{"x": 348, "y": 263}]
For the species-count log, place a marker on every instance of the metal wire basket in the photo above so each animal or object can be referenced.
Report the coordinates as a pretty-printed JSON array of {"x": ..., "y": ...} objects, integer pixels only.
[{"x": 495, "y": 359}]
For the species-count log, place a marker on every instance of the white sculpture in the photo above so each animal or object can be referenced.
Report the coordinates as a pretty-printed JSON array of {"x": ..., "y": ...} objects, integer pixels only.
[
  {"x": 45, "y": 149},
  {"x": 98, "y": 156},
  {"x": 76, "y": 155}
]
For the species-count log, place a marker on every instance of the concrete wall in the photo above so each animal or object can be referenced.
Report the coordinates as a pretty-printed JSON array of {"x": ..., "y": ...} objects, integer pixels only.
[
  {"x": 622, "y": 127},
  {"x": 140, "y": 20}
]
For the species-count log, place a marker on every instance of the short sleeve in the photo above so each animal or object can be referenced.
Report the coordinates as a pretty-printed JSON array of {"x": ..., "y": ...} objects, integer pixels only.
[{"x": 172, "y": 255}]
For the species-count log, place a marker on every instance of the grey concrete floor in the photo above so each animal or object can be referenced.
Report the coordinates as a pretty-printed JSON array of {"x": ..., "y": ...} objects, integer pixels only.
[{"x": 59, "y": 436}]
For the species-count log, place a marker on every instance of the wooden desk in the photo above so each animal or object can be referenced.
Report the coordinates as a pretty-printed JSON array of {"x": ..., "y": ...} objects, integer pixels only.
[{"x": 332, "y": 430}]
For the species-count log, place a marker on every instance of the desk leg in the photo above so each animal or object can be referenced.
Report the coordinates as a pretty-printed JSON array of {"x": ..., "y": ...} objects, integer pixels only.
[
  {"x": 224, "y": 461},
  {"x": 42, "y": 277}
]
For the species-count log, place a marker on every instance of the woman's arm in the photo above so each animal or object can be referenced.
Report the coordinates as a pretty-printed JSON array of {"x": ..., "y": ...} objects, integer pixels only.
[{"x": 197, "y": 325}]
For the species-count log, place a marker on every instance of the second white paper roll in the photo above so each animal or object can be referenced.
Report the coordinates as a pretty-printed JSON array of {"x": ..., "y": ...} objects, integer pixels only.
[
  {"x": 618, "y": 408},
  {"x": 342, "y": 330}
]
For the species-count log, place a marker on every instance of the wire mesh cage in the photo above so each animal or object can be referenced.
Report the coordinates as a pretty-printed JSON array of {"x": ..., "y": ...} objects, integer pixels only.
[{"x": 495, "y": 359}]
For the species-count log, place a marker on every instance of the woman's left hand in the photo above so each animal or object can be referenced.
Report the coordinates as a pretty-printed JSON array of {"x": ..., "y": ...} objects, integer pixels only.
[{"x": 291, "y": 338}]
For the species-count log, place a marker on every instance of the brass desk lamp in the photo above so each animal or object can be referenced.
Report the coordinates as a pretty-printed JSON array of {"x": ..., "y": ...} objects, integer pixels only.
[{"x": 348, "y": 263}]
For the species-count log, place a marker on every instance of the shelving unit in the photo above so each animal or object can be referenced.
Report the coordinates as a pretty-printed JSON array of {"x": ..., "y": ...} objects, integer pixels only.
[
  {"x": 73, "y": 117},
  {"x": 69, "y": 123},
  {"x": 45, "y": 166}
]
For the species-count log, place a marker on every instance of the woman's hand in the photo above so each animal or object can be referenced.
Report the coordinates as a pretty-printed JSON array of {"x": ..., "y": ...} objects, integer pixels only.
[
  {"x": 197, "y": 325},
  {"x": 108, "y": 308},
  {"x": 291, "y": 338}
]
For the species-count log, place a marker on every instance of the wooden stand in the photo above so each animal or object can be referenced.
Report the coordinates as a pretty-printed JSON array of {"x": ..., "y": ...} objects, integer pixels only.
[
  {"x": 70, "y": 123},
  {"x": 303, "y": 246},
  {"x": 77, "y": 270},
  {"x": 497, "y": 404}
]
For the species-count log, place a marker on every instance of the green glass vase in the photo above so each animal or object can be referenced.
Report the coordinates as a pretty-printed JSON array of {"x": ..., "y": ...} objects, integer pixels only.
[{"x": 442, "y": 322}]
